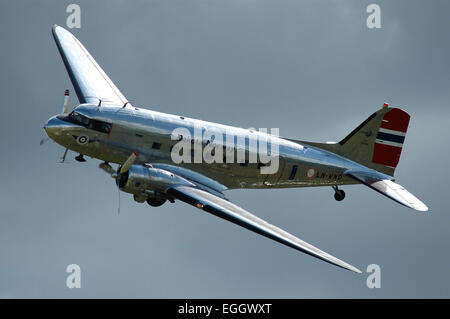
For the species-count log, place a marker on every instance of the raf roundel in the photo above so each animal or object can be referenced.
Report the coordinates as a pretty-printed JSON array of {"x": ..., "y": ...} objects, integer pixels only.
[{"x": 82, "y": 139}]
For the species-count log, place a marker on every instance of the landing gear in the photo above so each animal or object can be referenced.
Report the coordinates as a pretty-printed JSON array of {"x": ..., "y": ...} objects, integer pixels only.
[
  {"x": 80, "y": 158},
  {"x": 156, "y": 202},
  {"x": 339, "y": 194},
  {"x": 139, "y": 199}
]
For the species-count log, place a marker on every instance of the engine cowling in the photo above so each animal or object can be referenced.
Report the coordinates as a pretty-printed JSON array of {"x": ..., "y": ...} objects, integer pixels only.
[{"x": 145, "y": 180}]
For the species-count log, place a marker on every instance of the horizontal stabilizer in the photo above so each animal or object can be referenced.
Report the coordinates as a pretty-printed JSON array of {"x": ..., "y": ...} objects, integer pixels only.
[{"x": 382, "y": 184}]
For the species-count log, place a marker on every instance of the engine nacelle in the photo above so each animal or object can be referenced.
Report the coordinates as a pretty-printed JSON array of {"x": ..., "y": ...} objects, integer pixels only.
[{"x": 147, "y": 181}]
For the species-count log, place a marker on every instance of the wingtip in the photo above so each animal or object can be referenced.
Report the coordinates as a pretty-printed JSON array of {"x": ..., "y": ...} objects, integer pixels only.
[
  {"x": 342, "y": 264},
  {"x": 57, "y": 28},
  {"x": 54, "y": 29},
  {"x": 417, "y": 204},
  {"x": 356, "y": 270},
  {"x": 351, "y": 268},
  {"x": 421, "y": 207},
  {"x": 59, "y": 32}
]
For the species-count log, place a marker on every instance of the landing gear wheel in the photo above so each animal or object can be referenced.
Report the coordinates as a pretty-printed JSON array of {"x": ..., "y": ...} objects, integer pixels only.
[
  {"x": 339, "y": 195},
  {"x": 80, "y": 158},
  {"x": 156, "y": 202}
]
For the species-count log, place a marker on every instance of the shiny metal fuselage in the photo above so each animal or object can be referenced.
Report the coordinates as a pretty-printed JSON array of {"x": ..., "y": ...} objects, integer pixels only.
[{"x": 138, "y": 129}]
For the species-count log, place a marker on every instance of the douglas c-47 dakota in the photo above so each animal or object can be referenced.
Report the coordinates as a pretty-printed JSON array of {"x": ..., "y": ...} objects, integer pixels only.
[{"x": 142, "y": 143}]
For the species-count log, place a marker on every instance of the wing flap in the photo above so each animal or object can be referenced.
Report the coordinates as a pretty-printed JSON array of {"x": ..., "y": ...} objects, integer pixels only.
[
  {"x": 382, "y": 184},
  {"x": 89, "y": 80},
  {"x": 235, "y": 214}
]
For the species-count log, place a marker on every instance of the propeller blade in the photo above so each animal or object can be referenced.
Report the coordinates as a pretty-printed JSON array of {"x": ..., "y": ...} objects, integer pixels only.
[
  {"x": 63, "y": 158},
  {"x": 122, "y": 169},
  {"x": 44, "y": 140},
  {"x": 107, "y": 168},
  {"x": 65, "y": 107},
  {"x": 130, "y": 161}
]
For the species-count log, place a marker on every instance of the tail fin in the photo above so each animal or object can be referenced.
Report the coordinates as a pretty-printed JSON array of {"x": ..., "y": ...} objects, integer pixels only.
[{"x": 377, "y": 142}]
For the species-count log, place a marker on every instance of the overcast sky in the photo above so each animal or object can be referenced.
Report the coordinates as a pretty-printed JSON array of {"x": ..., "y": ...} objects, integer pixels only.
[{"x": 311, "y": 68}]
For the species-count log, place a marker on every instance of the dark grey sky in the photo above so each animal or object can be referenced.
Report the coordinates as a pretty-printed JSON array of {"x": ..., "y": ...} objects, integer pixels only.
[{"x": 311, "y": 68}]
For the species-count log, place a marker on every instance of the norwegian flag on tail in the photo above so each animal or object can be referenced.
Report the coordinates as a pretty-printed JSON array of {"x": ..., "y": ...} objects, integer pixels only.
[{"x": 390, "y": 138}]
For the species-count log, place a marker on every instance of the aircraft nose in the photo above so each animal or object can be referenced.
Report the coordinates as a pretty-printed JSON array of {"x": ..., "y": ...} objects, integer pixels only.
[{"x": 53, "y": 127}]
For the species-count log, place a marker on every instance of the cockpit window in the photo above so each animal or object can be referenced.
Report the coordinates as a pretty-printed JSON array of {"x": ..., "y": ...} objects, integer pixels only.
[
  {"x": 99, "y": 126},
  {"x": 80, "y": 119}
]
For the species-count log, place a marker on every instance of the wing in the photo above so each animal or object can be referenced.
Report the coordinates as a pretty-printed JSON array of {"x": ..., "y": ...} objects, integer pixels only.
[
  {"x": 223, "y": 208},
  {"x": 382, "y": 184},
  {"x": 206, "y": 194},
  {"x": 89, "y": 80}
]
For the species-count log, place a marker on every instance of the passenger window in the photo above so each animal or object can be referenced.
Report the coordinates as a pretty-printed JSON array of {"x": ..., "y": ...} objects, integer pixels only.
[
  {"x": 156, "y": 145},
  {"x": 244, "y": 164}
]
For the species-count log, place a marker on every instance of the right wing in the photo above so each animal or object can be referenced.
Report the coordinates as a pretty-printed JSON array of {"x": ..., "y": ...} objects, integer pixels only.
[
  {"x": 223, "y": 208},
  {"x": 89, "y": 80}
]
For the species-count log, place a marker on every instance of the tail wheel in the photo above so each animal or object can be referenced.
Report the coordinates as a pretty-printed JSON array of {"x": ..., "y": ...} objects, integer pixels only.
[{"x": 156, "y": 202}]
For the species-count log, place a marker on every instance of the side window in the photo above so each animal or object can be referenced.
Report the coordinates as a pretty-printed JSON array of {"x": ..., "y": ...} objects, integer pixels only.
[
  {"x": 156, "y": 145},
  {"x": 244, "y": 164},
  {"x": 293, "y": 172},
  {"x": 106, "y": 127}
]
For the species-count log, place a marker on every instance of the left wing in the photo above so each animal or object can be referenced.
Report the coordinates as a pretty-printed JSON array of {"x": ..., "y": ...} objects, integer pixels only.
[
  {"x": 89, "y": 80},
  {"x": 205, "y": 193},
  {"x": 223, "y": 208}
]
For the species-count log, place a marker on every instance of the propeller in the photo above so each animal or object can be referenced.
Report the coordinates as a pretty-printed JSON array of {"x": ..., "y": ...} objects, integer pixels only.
[
  {"x": 64, "y": 110},
  {"x": 65, "y": 106},
  {"x": 130, "y": 161},
  {"x": 108, "y": 169},
  {"x": 44, "y": 140},
  {"x": 63, "y": 158},
  {"x": 120, "y": 170}
]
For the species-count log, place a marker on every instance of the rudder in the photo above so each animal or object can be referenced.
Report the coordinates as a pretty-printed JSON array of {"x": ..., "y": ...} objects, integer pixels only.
[{"x": 390, "y": 138}]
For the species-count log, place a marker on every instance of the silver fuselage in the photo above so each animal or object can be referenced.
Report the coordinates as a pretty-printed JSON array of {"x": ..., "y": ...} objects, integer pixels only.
[{"x": 140, "y": 129}]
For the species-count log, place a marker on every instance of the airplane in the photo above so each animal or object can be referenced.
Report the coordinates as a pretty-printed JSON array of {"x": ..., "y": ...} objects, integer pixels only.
[{"x": 106, "y": 126}]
